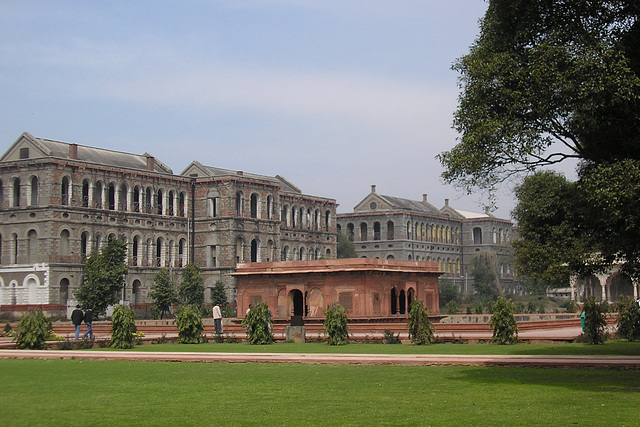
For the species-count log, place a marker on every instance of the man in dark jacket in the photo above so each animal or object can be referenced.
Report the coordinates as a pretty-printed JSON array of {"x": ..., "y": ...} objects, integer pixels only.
[
  {"x": 88, "y": 320},
  {"x": 76, "y": 317}
]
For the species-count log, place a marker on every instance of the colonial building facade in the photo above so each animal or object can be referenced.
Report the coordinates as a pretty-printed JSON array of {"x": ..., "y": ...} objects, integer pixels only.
[
  {"x": 61, "y": 201},
  {"x": 388, "y": 227}
]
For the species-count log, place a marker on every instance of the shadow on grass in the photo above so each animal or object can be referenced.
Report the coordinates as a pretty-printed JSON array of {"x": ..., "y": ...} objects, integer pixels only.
[{"x": 584, "y": 380}]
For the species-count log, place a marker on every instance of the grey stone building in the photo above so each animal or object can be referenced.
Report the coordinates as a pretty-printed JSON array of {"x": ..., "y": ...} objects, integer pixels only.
[
  {"x": 60, "y": 201},
  {"x": 388, "y": 227}
]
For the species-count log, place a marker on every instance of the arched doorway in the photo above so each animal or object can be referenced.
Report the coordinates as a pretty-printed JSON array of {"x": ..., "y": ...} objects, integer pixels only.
[
  {"x": 394, "y": 301},
  {"x": 296, "y": 302}
]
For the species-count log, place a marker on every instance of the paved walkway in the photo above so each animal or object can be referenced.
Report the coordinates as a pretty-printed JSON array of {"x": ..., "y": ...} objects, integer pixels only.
[{"x": 609, "y": 362}]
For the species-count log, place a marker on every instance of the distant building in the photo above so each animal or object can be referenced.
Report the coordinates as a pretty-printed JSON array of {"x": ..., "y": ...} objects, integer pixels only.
[
  {"x": 61, "y": 201},
  {"x": 388, "y": 227}
]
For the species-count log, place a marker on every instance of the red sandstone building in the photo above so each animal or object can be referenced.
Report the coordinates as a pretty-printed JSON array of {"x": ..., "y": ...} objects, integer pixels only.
[{"x": 367, "y": 288}]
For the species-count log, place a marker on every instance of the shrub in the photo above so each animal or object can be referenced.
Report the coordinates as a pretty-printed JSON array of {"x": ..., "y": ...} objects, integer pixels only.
[
  {"x": 389, "y": 338},
  {"x": 258, "y": 324},
  {"x": 572, "y": 307},
  {"x": 505, "y": 329},
  {"x": 594, "y": 323},
  {"x": 452, "y": 307},
  {"x": 32, "y": 330},
  {"x": 420, "y": 328},
  {"x": 123, "y": 327},
  {"x": 519, "y": 308},
  {"x": 190, "y": 326},
  {"x": 335, "y": 324},
  {"x": 479, "y": 308},
  {"x": 628, "y": 319}
]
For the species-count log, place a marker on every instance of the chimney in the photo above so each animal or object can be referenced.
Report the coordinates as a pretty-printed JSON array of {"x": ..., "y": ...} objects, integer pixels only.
[
  {"x": 486, "y": 210},
  {"x": 446, "y": 202},
  {"x": 73, "y": 151},
  {"x": 151, "y": 162},
  {"x": 373, "y": 188},
  {"x": 424, "y": 197}
]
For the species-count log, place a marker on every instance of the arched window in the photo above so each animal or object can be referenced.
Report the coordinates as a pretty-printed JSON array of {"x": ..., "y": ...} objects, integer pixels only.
[
  {"x": 181, "y": 204},
  {"x": 64, "y": 243},
  {"x": 159, "y": 202},
  {"x": 136, "y": 199},
  {"x": 16, "y": 192},
  {"x": 376, "y": 230},
  {"x": 477, "y": 236},
  {"x": 182, "y": 253},
  {"x": 363, "y": 231},
  {"x": 97, "y": 194},
  {"x": 112, "y": 197},
  {"x": 239, "y": 250},
  {"x": 285, "y": 254},
  {"x": 147, "y": 200},
  {"x": 302, "y": 253},
  {"x": 255, "y": 250},
  {"x": 293, "y": 217},
  {"x": 239, "y": 203},
  {"x": 390, "y": 230},
  {"x": 65, "y": 191},
  {"x": 269, "y": 207},
  {"x": 122, "y": 198},
  {"x": 350, "y": 232},
  {"x": 327, "y": 220},
  {"x": 85, "y": 193},
  {"x": 64, "y": 291},
  {"x": 254, "y": 206},
  {"x": 84, "y": 244},
  {"x": 32, "y": 248},
  {"x": 33, "y": 185},
  {"x": 136, "y": 250},
  {"x": 159, "y": 252},
  {"x": 171, "y": 203},
  {"x": 14, "y": 253}
]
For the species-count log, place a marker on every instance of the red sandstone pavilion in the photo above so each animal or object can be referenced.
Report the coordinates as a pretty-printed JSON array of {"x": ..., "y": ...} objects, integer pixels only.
[{"x": 367, "y": 288}]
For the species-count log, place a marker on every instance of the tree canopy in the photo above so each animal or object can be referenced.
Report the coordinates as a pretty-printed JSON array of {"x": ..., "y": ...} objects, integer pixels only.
[
  {"x": 191, "y": 289},
  {"x": 163, "y": 293},
  {"x": 547, "y": 80},
  {"x": 104, "y": 275}
]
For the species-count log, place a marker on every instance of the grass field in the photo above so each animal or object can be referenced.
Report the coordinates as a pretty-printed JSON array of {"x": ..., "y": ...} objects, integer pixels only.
[
  {"x": 77, "y": 392},
  {"x": 620, "y": 348}
]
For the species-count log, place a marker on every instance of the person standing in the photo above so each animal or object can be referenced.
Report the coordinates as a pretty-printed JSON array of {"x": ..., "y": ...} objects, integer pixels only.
[
  {"x": 76, "y": 318},
  {"x": 88, "y": 320},
  {"x": 217, "y": 318}
]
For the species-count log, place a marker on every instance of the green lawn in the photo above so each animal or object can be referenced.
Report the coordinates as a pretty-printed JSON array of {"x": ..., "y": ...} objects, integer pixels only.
[
  {"x": 621, "y": 348},
  {"x": 80, "y": 392}
]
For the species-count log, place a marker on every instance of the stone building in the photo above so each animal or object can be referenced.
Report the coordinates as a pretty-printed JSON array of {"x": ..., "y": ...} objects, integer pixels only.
[
  {"x": 388, "y": 227},
  {"x": 60, "y": 202},
  {"x": 367, "y": 288}
]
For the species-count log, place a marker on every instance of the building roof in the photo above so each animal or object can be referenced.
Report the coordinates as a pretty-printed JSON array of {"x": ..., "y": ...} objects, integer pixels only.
[
  {"x": 197, "y": 168},
  {"x": 334, "y": 266},
  {"x": 47, "y": 148}
]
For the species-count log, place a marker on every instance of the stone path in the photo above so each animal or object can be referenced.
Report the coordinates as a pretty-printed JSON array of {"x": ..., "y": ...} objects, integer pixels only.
[{"x": 608, "y": 362}]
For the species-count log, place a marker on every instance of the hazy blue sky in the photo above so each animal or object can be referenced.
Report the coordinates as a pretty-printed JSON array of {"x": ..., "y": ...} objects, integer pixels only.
[{"x": 333, "y": 95}]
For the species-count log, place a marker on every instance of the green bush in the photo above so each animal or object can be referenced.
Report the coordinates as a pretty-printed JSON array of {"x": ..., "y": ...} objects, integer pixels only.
[
  {"x": 505, "y": 328},
  {"x": 389, "y": 338},
  {"x": 452, "y": 307},
  {"x": 123, "y": 327},
  {"x": 594, "y": 323},
  {"x": 420, "y": 328},
  {"x": 190, "y": 326},
  {"x": 335, "y": 324},
  {"x": 628, "y": 319},
  {"x": 572, "y": 307},
  {"x": 32, "y": 330},
  {"x": 258, "y": 324}
]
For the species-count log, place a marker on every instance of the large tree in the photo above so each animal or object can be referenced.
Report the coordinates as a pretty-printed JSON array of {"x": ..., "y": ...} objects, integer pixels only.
[
  {"x": 163, "y": 293},
  {"x": 104, "y": 275},
  {"x": 545, "y": 81},
  {"x": 191, "y": 289}
]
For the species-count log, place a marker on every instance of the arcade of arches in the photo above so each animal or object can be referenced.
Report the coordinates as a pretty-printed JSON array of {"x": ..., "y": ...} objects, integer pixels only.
[
  {"x": 367, "y": 288},
  {"x": 604, "y": 287}
]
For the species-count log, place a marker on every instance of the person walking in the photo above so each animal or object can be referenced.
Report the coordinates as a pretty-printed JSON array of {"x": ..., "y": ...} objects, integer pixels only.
[
  {"x": 217, "y": 318},
  {"x": 76, "y": 318},
  {"x": 88, "y": 320}
]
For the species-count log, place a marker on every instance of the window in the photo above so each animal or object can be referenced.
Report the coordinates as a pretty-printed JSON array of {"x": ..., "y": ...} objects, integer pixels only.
[
  {"x": 64, "y": 243},
  {"x": 239, "y": 203},
  {"x": 112, "y": 197},
  {"x": 212, "y": 259},
  {"x": 390, "y": 230},
  {"x": 32, "y": 248},
  {"x": 136, "y": 250},
  {"x": 376, "y": 231},
  {"x": 97, "y": 194},
  {"x": 24, "y": 153},
  {"x": 136, "y": 199},
  {"x": 254, "y": 206},
  {"x": 16, "y": 192},
  {"x": 84, "y": 244},
  {"x": 160, "y": 199},
  {"x": 363, "y": 231},
  {"x": 34, "y": 191},
  {"x": 123, "y": 202},
  {"x": 85, "y": 193},
  {"x": 65, "y": 191},
  {"x": 171, "y": 203},
  {"x": 477, "y": 236}
]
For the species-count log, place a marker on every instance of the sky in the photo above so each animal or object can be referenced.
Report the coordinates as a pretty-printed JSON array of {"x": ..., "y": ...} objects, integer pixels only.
[{"x": 333, "y": 95}]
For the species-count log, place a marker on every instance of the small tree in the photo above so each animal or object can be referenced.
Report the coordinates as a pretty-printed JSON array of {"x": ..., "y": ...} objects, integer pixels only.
[
  {"x": 505, "y": 328},
  {"x": 191, "y": 289},
  {"x": 163, "y": 293},
  {"x": 346, "y": 248},
  {"x": 258, "y": 324},
  {"x": 628, "y": 319},
  {"x": 420, "y": 328},
  {"x": 103, "y": 277},
  {"x": 32, "y": 330},
  {"x": 190, "y": 327},
  {"x": 452, "y": 307},
  {"x": 219, "y": 295},
  {"x": 594, "y": 323},
  {"x": 123, "y": 326},
  {"x": 335, "y": 324}
]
